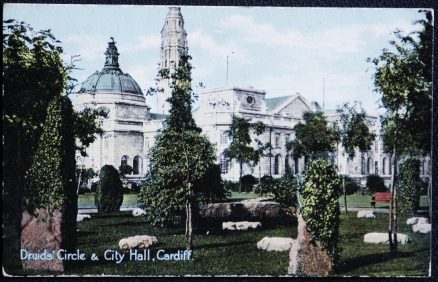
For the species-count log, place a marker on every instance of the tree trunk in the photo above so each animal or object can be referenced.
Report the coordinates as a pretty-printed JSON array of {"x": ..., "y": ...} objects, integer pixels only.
[
  {"x": 240, "y": 176},
  {"x": 189, "y": 228},
  {"x": 345, "y": 193}
]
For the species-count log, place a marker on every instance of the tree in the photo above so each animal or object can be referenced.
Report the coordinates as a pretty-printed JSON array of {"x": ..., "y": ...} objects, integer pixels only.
[
  {"x": 109, "y": 192},
  {"x": 403, "y": 78},
  {"x": 33, "y": 74},
  {"x": 84, "y": 175},
  {"x": 355, "y": 134},
  {"x": 125, "y": 169},
  {"x": 409, "y": 186},
  {"x": 314, "y": 139},
  {"x": 51, "y": 181},
  {"x": 182, "y": 161},
  {"x": 240, "y": 148}
]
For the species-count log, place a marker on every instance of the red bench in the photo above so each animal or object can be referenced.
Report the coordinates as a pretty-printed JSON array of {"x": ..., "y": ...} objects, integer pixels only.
[{"x": 380, "y": 197}]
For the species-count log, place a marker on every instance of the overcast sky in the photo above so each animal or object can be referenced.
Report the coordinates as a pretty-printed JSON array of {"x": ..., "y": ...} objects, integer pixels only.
[{"x": 279, "y": 50}]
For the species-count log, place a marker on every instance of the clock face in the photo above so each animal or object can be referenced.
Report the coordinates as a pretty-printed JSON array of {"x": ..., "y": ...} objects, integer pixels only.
[{"x": 250, "y": 100}]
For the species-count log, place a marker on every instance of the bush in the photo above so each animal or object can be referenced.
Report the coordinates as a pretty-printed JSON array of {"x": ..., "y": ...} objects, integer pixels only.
[
  {"x": 351, "y": 186},
  {"x": 409, "y": 186},
  {"x": 375, "y": 184},
  {"x": 265, "y": 185},
  {"x": 109, "y": 192},
  {"x": 231, "y": 186},
  {"x": 248, "y": 182},
  {"x": 320, "y": 204},
  {"x": 125, "y": 169},
  {"x": 284, "y": 191}
]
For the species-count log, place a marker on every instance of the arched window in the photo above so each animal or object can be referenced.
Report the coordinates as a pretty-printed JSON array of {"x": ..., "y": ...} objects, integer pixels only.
[
  {"x": 137, "y": 165},
  {"x": 225, "y": 164},
  {"x": 370, "y": 166},
  {"x": 277, "y": 164},
  {"x": 124, "y": 160},
  {"x": 384, "y": 164},
  {"x": 286, "y": 164},
  {"x": 296, "y": 165}
]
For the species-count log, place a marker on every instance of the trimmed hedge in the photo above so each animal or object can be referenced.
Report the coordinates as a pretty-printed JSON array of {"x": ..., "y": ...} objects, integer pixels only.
[
  {"x": 409, "y": 186},
  {"x": 109, "y": 191},
  {"x": 375, "y": 184}
]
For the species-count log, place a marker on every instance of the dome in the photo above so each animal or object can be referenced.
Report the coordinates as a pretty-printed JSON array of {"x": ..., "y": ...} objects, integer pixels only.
[{"x": 111, "y": 78}]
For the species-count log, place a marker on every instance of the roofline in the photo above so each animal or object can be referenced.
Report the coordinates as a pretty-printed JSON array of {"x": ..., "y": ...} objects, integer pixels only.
[{"x": 233, "y": 88}]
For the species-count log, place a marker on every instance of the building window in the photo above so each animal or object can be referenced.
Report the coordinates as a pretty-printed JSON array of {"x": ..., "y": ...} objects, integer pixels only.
[
  {"x": 224, "y": 138},
  {"x": 384, "y": 164},
  {"x": 376, "y": 167},
  {"x": 136, "y": 165},
  {"x": 369, "y": 166},
  {"x": 296, "y": 165},
  {"x": 390, "y": 166},
  {"x": 363, "y": 166},
  {"x": 225, "y": 164},
  {"x": 286, "y": 164},
  {"x": 124, "y": 160},
  {"x": 277, "y": 164},
  {"x": 277, "y": 139}
]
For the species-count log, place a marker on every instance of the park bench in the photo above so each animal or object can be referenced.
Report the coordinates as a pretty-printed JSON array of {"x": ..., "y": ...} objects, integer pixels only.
[{"x": 380, "y": 197}]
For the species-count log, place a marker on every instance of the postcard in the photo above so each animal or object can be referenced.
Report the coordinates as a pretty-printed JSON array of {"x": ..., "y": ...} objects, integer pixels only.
[{"x": 152, "y": 140}]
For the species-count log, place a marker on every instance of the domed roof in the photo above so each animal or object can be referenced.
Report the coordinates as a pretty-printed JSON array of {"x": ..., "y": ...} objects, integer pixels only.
[{"x": 111, "y": 78}]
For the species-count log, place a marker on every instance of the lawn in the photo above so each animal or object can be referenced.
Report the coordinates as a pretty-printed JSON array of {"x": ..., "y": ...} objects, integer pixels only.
[{"x": 234, "y": 253}]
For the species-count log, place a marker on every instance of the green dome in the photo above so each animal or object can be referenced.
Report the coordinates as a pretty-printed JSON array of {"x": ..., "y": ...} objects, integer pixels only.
[{"x": 111, "y": 78}]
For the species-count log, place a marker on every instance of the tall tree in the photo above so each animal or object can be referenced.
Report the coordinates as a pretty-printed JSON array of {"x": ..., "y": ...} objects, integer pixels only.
[
  {"x": 240, "y": 149},
  {"x": 314, "y": 139},
  {"x": 403, "y": 78},
  {"x": 354, "y": 132},
  {"x": 33, "y": 74},
  {"x": 182, "y": 161}
]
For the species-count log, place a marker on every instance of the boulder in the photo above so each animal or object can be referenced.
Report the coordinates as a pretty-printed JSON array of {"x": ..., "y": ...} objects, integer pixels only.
[
  {"x": 241, "y": 225},
  {"x": 46, "y": 232},
  {"x": 306, "y": 256},
  {"x": 137, "y": 242},
  {"x": 382, "y": 238},
  {"x": 138, "y": 212},
  {"x": 82, "y": 217},
  {"x": 422, "y": 228},
  {"x": 366, "y": 214},
  {"x": 278, "y": 244},
  {"x": 415, "y": 220}
]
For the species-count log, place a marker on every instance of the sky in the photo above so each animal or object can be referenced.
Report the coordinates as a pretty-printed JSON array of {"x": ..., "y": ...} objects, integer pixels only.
[{"x": 317, "y": 52}]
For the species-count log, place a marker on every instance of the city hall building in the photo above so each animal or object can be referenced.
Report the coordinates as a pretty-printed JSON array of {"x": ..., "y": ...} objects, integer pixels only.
[{"x": 130, "y": 128}]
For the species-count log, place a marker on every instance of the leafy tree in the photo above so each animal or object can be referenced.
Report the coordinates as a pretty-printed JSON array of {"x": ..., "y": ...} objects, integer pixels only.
[
  {"x": 314, "y": 139},
  {"x": 109, "y": 192},
  {"x": 50, "y": 181},
  {"x": 182, "y": 161},
  {"x": 284, "y": 191},
  {"x": 319, "y": 202},
  {"x": 355, "y": 134},
  {"x": 33, "y": 74},
  {"x": 403, "y": 78},
  {"x": 409, "y": 186},
  {"x": 125, "y": 169},
  {"x": 375, "y": 183},
  {"x": 240, "y": 148}
]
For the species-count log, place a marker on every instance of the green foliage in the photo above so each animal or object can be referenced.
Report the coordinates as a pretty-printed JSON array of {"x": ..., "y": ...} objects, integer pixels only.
[
  {"x": 403, "y": 77},
  {"x": 315, "y": 139},
  {"x": 284, "y": 190},
  {"x": 50, "y": 182},
  {"x": 84, "y": 175},
  {"x": 375, "y": 183},
  {"x": 354, "y": 131},
  {"x": 125, "y": 169},
  {"x": 87, "y": 126},
  {"x": 109, "y": 192},
  {"x": 182, "y": 161},
  {"x": 248, "y": 182},
  {"x": 240, "y": 149},
  {"x": 320, "y": 204},
  {"x": 409, "y": 186},
  {"x": 351, "y": 186}
]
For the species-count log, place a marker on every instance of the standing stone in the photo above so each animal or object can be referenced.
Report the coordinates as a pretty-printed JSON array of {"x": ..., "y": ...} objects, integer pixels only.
[{"x": 307, "y": 257}]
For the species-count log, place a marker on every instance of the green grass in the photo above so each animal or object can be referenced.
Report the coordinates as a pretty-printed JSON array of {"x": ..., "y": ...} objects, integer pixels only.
[
  {"x": 86, "y": 201},
  {"x": 363, "y": 201},
  {"x": 239, "y": 196},
  {"x": 233, "y": 253}
]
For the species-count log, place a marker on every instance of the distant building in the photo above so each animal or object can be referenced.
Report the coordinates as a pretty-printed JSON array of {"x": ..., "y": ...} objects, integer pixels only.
[{"x": 131, "y": 128}]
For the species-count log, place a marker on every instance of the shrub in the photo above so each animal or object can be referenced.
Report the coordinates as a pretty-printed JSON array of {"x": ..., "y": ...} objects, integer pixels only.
[
  {"x": 409, "y": 186},
  {"x": 351, "y": 186},
  {"x": 375, "y": 184},
  {"x": 248, "y": 181},
  {"x": 320, "y": 204},
  {"x": 265, "y": 185},
  {"x": 109, "y": 192},
  {"x": 125, "y": 169},
  {"x": 231, "y": 186},
  {"x": 284, "y": 191}
]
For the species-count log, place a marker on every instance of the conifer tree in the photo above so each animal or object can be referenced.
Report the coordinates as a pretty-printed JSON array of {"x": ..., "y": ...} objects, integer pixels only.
[{"x": 180, "y": 160}]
